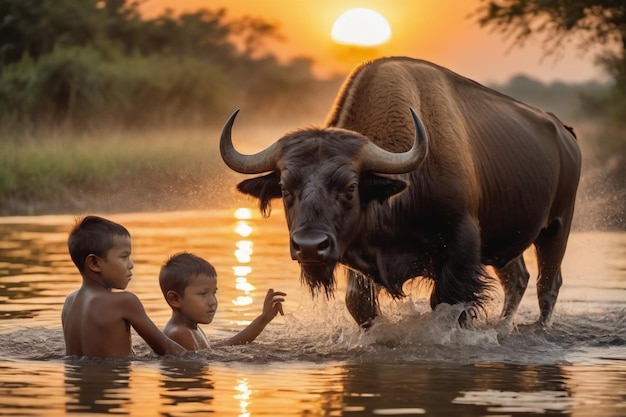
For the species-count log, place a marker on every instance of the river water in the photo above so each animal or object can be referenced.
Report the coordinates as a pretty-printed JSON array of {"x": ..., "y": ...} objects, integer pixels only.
[{"x": 313, "y": 361}]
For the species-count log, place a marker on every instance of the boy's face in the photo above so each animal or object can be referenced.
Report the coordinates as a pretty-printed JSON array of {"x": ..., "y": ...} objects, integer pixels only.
[
  {"x": 199, "y": 302},
  {"x": 116, "y": 267}
]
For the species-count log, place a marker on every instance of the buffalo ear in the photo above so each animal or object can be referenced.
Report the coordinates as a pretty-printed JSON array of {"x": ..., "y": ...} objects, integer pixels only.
[
  {"x": 267, "y": 186},
  {"x": 375, "y": 187},
  {"x": 264, "y": 188}
]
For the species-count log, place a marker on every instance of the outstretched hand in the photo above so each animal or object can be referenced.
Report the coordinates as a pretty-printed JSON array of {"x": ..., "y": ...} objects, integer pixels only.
[
  {"x": 271, "y": 307},
  {"x": 273, "y": 304}
]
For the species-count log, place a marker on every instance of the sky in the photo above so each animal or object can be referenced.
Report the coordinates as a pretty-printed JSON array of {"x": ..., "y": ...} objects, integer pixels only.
[{"x": 441, "y": 31}]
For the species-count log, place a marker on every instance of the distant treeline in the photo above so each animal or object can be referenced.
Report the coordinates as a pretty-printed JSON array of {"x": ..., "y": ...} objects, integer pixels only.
[
  {"x": 88, "y": 64},
  {"x": 571, "y": 102}
]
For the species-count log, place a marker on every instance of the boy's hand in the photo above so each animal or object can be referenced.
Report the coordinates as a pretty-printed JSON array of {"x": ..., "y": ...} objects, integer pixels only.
[{"x": 273, "y": 304}]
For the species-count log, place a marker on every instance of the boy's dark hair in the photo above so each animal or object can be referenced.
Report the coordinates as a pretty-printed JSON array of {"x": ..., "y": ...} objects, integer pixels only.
[
  {"x": 178, "y": 271},
  {"x": 92, "y": 235}
]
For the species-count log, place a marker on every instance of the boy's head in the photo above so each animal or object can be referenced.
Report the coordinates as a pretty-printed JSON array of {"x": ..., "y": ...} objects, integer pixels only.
[
  {"x": 180, "y": 270},
  {"x": 93, "y": 235}
]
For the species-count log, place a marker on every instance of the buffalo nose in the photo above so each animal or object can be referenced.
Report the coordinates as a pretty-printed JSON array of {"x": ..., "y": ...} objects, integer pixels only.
[{"x": 310, "y": 246}]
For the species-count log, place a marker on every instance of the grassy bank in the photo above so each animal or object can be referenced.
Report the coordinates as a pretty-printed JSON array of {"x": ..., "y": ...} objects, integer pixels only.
[{"x": 113, "y": 172}]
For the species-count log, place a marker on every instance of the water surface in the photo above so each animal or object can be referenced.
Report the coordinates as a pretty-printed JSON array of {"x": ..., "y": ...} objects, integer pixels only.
[{"x": 314, "y": 361}]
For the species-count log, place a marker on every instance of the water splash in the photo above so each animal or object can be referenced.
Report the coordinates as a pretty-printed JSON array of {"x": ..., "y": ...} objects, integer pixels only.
[{"x": 322, "y": 331}]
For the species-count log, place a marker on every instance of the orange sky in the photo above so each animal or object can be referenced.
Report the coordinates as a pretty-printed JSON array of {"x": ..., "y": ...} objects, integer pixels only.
[{"x": 435, "y": 30}]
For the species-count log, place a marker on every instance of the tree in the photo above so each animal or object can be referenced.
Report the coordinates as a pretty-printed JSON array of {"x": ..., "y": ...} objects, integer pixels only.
[
  {"x": 599, "y": 21},
  {"x": 35, "y": 27},
  {"x": 94, "y": 63},
  {"x": 594, "y": 22}
]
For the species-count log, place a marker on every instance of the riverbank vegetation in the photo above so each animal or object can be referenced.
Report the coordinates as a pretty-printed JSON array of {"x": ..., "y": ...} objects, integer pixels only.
[
  {"x": 104, "y": 110},
  {"x": 112, "y": 172}
]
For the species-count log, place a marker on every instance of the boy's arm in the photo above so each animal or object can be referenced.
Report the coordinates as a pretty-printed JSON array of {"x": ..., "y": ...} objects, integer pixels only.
[
  {"x": 271, "y": 307},
  {"x": 139, "y": 320}
]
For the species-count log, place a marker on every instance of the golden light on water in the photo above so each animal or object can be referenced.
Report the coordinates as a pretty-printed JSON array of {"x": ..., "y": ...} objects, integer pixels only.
[
  {"x": 243, "y": 396},
  {"x": 242, "y": 284},
  {"x": 245, "y": 246},
  {"x": 243, "y": 213},
  {"x": 243, "y": 229},
  {"x": 243, "y": 254},
  {"x": 243, "y": 300},
  {"x": 241, "y": 271}
]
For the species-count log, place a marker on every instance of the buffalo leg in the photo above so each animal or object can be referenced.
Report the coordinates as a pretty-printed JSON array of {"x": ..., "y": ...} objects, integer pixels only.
[
  {"x": 550, "y": 246},
  {"x": 362, "y": 298},
  {"x": 514, "y": 278},
  {"x": 461, "y": 276}
]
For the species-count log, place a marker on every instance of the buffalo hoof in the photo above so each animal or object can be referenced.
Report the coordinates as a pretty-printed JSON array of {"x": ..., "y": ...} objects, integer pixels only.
[
  {"x": 468, "y": 317},
  {"x": 366, "y": 324},
  {"x": 364, "y": 321},
  {"x": 535, "y": 327}
]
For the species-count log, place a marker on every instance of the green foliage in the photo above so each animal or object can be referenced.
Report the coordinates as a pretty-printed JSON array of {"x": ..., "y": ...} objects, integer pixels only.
[
  {"x": 82, "y": 87},
  {"x": 35, "y": 27},
  {"x": 596, "y": 22},
  {"x": 93, "y": 63}
]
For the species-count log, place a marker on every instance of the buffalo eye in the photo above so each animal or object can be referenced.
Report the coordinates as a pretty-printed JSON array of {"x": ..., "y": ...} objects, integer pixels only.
[
  {"x": 349, "y": 193},
  {"x": 286, "y": 194}
]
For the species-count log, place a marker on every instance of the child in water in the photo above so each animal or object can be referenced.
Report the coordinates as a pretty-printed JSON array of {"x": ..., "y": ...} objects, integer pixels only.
[
  {"x": 189, "y": 285},
  {"x": 96, "y": 321}
]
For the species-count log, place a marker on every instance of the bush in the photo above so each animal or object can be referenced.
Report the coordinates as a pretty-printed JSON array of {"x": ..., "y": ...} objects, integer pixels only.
[{"x": 80, "y": 87}]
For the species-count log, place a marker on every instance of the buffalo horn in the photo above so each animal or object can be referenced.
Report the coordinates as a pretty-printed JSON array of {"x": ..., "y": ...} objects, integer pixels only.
[
  {"x": 376, "y": 159},
  {"x": 260, "y": 162}
]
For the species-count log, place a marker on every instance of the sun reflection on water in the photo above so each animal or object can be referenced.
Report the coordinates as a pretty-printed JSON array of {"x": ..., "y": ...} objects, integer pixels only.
[
  {"x": 243, "y": 251},
  {"x": 243, "y": 396},
  {"x": 243, "y": 229},
  {"x": 243, "y": 213},
  {"x": 243, "y": 254}
]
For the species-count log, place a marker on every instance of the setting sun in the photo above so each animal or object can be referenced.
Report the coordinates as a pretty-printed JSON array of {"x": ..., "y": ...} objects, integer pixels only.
[{"x": 361, "y": 27}]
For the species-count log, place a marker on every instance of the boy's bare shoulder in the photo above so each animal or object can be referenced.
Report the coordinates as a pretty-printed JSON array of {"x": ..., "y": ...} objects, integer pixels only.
[
  {"x": 70, "y": 298},
  {"x": 102, "y": 295},
  {"x": 183, "y": 336},
  {"x": 67, "y": 306},
  {"x": 174, "y": 331},
  {"x": 124, "y": 303},
  {"x": 88, "y": 301}
]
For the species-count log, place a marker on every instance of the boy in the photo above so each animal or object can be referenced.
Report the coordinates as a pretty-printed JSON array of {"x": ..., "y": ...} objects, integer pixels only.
[
  {"x": 96, "y": 321},
  {"x": 189, "y": 284}
]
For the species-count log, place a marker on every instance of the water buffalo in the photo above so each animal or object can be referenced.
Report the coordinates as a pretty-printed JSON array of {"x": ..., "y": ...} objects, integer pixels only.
[{"x": 420, "y": 172}]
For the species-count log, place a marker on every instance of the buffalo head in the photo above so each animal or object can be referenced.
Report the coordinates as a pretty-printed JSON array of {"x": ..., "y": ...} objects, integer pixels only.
[{"x": 327, "y": 179}]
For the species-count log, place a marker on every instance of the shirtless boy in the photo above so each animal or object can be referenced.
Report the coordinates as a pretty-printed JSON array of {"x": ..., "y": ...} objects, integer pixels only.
[
  {"x": 189, "y": 284},
  {"x": 96, "y": 320}
]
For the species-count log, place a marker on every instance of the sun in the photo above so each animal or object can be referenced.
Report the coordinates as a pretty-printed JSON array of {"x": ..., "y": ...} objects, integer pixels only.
[{"x": 361, "y": 27}]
